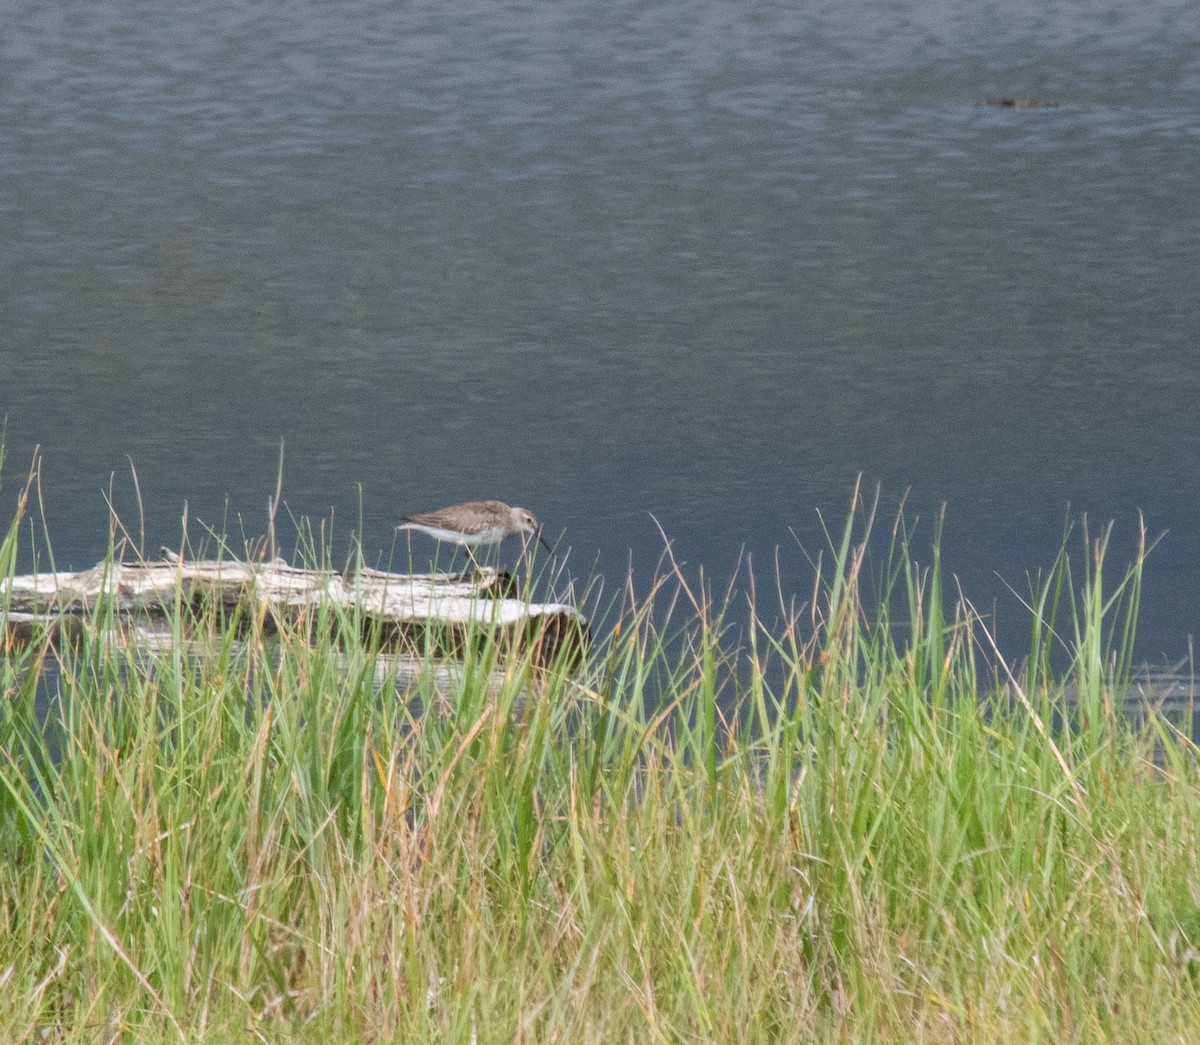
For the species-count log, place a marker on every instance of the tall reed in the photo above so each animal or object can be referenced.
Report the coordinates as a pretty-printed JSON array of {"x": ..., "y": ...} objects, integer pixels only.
[{"x": 846, "y": 820}]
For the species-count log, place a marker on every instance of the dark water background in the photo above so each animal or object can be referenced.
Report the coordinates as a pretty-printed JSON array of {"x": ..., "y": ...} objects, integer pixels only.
[{"x": 706, "y": 260}]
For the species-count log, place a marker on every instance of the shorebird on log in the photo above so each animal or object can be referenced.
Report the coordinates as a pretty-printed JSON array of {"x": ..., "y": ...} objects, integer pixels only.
[{"x": 475, "y": 523}]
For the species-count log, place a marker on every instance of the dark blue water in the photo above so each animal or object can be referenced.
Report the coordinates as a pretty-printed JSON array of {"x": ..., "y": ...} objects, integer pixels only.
[{"x": 710, "y": 261}]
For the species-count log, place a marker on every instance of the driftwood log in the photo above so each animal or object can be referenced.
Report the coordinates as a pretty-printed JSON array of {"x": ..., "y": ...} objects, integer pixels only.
[{"x": 413, "y": 614}]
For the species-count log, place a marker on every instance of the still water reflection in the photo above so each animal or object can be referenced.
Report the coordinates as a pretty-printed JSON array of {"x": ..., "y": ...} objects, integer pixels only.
[{"x": 709, "y": 260}]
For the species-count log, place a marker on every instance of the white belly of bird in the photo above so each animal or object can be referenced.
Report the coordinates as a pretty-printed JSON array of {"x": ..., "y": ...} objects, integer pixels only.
[{"x": 492, "y": 535}]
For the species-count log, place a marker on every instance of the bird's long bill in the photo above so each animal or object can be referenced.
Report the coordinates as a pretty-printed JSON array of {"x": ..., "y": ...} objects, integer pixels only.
[{"x": 538, "y": 535}]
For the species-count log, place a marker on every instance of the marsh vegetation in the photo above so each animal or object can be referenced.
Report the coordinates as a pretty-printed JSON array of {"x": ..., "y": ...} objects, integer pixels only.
[{"x": 846, "y": 818}]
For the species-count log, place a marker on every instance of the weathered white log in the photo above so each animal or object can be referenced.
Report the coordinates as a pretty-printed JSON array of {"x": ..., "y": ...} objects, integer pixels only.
[{"x": 405, "y": 605}]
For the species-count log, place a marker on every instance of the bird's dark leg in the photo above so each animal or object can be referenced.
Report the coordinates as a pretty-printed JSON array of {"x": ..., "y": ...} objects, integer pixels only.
[{"x": 472, "y": 564}]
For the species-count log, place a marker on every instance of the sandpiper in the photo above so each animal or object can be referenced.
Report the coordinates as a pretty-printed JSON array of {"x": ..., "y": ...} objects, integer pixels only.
[{"x": 475, "y": 523}]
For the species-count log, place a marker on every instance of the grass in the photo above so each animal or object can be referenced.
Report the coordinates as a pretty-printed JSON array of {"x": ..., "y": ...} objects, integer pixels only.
[{"x": 854, "y": 823}]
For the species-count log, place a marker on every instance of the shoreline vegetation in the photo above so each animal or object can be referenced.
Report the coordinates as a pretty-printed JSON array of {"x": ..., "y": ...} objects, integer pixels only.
[{"x": 851, "y": 820}]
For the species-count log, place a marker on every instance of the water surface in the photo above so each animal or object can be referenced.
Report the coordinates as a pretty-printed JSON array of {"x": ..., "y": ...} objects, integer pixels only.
[{"x": 706, "y": 260}]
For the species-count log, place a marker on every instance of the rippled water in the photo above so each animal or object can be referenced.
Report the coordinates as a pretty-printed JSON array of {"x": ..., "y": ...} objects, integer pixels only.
[{"x": 709, "y": 261}]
